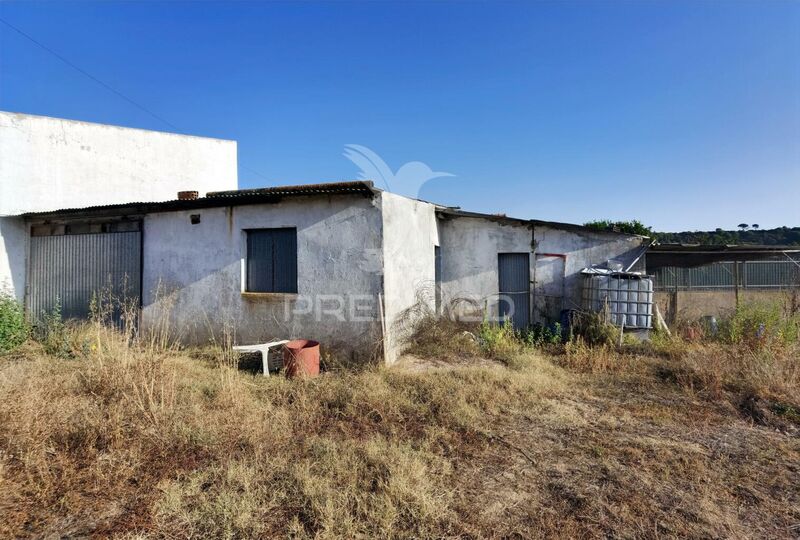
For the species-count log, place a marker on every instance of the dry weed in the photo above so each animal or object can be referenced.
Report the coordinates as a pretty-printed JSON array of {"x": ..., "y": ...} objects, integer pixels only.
[{"x": 141, "y": 441}]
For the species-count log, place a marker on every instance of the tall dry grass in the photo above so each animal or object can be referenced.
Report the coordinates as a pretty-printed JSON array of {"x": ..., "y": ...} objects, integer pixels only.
[
  {"x": 120, "y": 436},
  {"x": 130, "y": 435}
]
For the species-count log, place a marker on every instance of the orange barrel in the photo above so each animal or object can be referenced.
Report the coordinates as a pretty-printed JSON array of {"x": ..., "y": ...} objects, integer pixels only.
[{"x": 301, "y": 358}]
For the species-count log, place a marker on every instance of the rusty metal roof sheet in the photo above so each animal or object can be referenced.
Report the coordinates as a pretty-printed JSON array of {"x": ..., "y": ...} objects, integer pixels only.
[{"x": 216, "y": 199}]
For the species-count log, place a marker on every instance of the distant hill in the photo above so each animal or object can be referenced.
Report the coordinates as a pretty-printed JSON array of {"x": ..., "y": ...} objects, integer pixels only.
[{"x": 782, "y": 236}]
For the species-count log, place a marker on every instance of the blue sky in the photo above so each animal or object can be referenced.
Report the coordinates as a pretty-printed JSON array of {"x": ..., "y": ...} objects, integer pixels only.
[{"x": 685, "y": 115}]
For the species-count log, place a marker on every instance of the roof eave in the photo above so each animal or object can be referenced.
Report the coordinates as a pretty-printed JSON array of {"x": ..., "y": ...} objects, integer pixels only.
[{"x": 217, "y": 199}]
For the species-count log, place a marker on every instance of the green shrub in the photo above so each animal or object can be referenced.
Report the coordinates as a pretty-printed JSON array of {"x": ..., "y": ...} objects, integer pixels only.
[
  {"x": 13, "y": 327},
  {"x": 759, "y": 323},
  {"x": 540, "y": 335},
  {"x": 52, "y": 333},
  {"x": 500, "y": 341}
]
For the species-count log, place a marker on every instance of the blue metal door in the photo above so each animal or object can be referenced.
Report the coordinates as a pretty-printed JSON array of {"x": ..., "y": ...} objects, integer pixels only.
[{"x": 514, "y": 272}]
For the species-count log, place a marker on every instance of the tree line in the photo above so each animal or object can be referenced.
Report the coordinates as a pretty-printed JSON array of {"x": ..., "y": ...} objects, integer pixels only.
[{"x": 745, "y": 234}]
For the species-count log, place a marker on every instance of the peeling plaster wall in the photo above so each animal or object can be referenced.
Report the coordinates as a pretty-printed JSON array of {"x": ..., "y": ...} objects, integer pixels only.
[
  {"x": 582, "y": 249},
  {"x": 201, "y": 268},
  {"x": 409, "y": 236},
  {"x": 51, "y": 163},
  {"x": 13, "y": 256},
  {"x": 470, "y": 246}
]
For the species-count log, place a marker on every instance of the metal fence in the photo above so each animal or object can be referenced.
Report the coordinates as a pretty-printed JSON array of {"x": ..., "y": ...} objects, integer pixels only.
[{"x": 723, "y": 275}]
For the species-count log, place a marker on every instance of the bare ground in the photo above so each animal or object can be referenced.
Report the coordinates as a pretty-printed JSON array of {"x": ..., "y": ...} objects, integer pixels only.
[{"x": 620, "y": 455}]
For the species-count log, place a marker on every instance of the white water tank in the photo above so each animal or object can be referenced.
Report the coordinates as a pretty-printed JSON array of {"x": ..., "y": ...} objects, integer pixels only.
[{"x": 629, "y": 297}]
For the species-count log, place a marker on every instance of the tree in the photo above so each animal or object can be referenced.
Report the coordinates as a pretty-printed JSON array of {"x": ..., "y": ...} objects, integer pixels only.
[
  {"x": 743, "y": 226},
  {"x": 630, "y": 227},
  {"x": 754, "y": 226}
]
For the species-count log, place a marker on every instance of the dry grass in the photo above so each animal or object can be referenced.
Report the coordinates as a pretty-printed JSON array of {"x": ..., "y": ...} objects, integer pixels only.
[
  {"x": 444, "y": 339},
  {"x": 146, "y": 442}
]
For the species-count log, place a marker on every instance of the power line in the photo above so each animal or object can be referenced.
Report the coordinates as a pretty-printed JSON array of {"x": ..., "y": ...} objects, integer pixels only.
[
  {"x": 104, "y": 85},
  {"x": 89, "y": 75}
]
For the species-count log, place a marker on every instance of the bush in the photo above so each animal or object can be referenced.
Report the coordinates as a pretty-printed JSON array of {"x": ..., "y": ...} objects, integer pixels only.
[
  {"x": 443, "y": 339},
  {"x": 593, "y": 328},
  {"x": 13, "y": 327},
  {"x": 539, "y": 336},
  {"x": 52, "y": 333},
  {"x": 758, "y": 323},
  {"x": 500, "y": 341}
]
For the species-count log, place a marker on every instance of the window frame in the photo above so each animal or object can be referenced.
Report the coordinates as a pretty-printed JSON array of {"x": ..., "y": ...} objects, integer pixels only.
[{"x": 249, "y": 286}]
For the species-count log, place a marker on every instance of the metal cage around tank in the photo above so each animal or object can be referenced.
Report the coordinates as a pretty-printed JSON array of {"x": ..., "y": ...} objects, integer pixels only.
[{"x": 628, "y": 297}]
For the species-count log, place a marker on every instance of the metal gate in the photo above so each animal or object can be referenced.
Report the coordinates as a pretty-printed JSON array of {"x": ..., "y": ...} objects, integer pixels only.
[
  {"x": 70, "y": 269},
  {"x": 515, "y": 288}
]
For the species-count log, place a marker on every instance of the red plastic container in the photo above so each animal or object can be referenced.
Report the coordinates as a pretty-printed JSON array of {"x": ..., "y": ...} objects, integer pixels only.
[{"x": 301, "y": 358}]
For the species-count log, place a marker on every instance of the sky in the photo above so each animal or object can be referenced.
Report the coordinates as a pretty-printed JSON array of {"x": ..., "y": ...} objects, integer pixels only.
[{"x": 684, "y": 115}]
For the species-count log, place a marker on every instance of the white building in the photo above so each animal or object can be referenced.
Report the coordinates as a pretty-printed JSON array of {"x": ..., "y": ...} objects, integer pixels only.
[
  {"x": 343, "y": 263},
  {"x": 50, "y": 163}
]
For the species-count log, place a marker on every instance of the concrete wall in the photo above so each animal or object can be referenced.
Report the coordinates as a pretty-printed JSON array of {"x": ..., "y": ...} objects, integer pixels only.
[
  {"x": 202, "y": 267},
  {"x": 580, "y": 249},
  {"x": 469, "y": 248},
  {"x": 409, "y": 236},
  {"x": 13, "y": 256},
  {"x": 691, "y": 305},
  {"x": 51, "y": 163},
  {"x": 469, "y": 262}
]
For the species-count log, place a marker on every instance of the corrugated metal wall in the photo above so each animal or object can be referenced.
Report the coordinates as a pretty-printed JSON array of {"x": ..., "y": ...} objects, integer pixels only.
[
  {"x": 70, "y": 269},
  {"x": 515, "y": 288},
  {"x": 722, "y": 275}
]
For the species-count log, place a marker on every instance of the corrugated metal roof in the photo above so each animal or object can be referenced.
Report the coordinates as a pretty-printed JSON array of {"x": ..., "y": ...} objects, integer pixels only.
[
  {"x": 274, "y": 194},
  {"x": 501, "y": 218},
  {"x": 359, "y": 186},
  {"x": 689, "y": 255},
  {"x": 716, "y": 248},
  {"x": 217, "y": 199}
]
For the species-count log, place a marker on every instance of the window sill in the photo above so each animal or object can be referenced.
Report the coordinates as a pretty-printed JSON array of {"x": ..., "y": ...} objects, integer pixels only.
[{"x": 269, "y": 296}]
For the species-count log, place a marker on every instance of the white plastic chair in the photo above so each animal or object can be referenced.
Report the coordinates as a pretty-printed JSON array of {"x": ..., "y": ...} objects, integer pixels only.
[{"x": 263, "y": 350}]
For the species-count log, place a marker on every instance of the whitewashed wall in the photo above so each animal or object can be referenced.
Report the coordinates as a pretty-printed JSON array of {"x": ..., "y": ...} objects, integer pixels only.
[
  {"x": 51, "y": 163},
  {"x": 470, "y": 247},
  {"x": 13, "y": 256},
  {"x": 200, "y": 267},
  {"x": 409, "y": 236}
]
